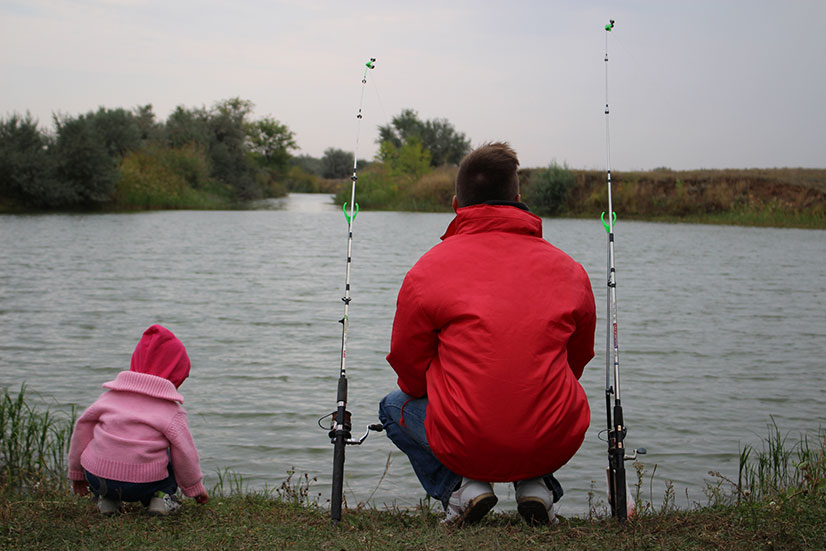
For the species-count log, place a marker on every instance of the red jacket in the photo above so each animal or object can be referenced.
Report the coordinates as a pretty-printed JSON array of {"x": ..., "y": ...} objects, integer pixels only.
[{"x": 495, "y": 326}]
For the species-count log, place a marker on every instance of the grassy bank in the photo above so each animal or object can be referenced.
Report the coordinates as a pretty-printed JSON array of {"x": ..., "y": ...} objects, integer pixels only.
[
  {"x": 53, "y": 520},
  {"x": 778, "y": 502},
  {"x": 758, "y": 197},
  {"x": 784, "y": 197}
]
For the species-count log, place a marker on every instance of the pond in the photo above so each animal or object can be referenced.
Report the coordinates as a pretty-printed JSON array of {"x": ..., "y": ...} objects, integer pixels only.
[{"x": 722, "y": 330}]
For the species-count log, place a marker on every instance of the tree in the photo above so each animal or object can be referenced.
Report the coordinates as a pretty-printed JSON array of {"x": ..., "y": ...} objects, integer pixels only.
[
  {"x": 118, "y": 129},
  {"x": 336, "y": 163},
  {"x": 187, "y": 126},
  {"x": 307, "y": 163},
  {"x": 150, "y": 130},
  {"x": 270, "y": 143},
  {"x": 86, "y": 172},
  {"x": 411, "y": 160},
  {"x": 26, "y": 168},
  {"x": 247, "y": 155},
  {"x": 446, "y": 145}
]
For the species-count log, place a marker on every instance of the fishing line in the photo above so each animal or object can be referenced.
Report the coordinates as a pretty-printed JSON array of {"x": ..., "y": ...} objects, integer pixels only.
[
  {"x": 378, "y": 98},
  {"x": 617, "y": 487},
  {"x": 340, "y": 430}
]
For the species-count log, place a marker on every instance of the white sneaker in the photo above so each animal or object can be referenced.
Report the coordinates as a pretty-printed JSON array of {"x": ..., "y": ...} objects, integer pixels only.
[
  {"x": 164, "y": 505},
  {"x": 108, "y": 506},
  {"x": 534, "y": 501},
  {"x": 470, "y": 502}
]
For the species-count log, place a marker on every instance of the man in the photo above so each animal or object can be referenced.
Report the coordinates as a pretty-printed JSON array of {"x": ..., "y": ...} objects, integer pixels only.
[{"x": 492, "y": 331}]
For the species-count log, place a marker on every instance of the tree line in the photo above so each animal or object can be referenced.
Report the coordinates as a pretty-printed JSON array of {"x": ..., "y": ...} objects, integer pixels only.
[
  {"x": 119, "y": 157},
  {"x": 196, "y": 158}
]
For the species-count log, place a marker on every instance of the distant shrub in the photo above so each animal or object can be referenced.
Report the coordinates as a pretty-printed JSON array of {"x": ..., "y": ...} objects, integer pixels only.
[
  {"x": 158, "y": 177},
  {"x": 433, "y": 191},
  {"x": 376, "y": 188},
  {"x": 301, "y": 181},
  {"x": 307, "y": 163},
  {"x": 548, "y": 190}
]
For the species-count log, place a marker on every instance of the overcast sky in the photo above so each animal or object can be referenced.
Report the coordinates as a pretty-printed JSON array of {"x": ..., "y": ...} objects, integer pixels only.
[{"x": 692, "y": 84}]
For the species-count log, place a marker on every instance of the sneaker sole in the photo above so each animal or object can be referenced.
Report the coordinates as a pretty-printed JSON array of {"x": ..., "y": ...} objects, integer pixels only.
[
  {"x": 109, "y": 509},
  {"x": 161, "y": 510},
  {"x": 533, "y": 511},
  {"x": 477, "y": 509}
]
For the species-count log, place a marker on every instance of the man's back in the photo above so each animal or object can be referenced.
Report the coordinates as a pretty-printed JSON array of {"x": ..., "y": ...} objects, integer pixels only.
[{"x": 502, "y": 323}]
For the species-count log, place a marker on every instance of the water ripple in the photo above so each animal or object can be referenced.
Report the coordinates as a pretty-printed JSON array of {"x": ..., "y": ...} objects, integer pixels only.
[{"x": 720, "y": 327}]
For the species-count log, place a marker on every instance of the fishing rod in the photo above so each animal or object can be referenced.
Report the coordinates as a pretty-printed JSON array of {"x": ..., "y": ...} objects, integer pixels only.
[
  {"x": 339, "y": 433},
  {"x": 617, "y": 486}
]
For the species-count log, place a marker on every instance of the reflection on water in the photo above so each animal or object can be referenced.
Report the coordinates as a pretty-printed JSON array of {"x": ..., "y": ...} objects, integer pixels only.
[
  {"x": 298, "y": 202},
  {"x": 720, "y": 327}
]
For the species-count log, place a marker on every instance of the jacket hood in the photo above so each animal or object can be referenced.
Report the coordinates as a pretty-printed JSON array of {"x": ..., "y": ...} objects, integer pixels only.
[
  {"x": 489, "y": 218},
  {"x": 160, "y": 353}
]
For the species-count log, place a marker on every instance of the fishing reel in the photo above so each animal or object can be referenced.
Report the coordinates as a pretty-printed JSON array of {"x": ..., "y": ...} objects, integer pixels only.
[
  {"x": 628, "y": 455},
  {"x": 634, "y": 453},
  {"x": 347, "y": 426}
]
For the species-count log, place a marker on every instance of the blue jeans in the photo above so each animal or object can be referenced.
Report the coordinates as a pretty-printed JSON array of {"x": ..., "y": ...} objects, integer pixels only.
[
  {"x": 409, "y": 436},
  {"x": 131, "y": 491},
  {"x": 403, "y": 419}
]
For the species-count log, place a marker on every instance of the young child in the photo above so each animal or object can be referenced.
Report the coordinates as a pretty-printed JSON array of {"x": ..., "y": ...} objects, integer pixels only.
[{"x": 133, "y": 442}]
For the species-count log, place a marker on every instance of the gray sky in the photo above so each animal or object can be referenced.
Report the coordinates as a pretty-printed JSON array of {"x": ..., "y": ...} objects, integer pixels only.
[{"x": 692, "y": 84}]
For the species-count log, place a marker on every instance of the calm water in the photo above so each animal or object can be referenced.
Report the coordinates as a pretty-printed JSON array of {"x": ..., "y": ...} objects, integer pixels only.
[{"x": 721, "y": 328}]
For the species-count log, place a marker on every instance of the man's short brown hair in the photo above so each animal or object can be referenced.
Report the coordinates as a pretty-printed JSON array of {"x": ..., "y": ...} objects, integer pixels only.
[{"x": 488, "y": 173}]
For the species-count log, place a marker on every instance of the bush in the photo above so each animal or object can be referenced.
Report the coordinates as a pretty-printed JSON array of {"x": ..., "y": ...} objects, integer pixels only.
[
  {"x": 299, "y": 180},
  {"x": 376, "y": 188},
  {"x": 307, "y": 163},
  {"x": 548, "y": 190},
  {"x": 433, "y": 191},
  {"x": 156, "y": 177}
]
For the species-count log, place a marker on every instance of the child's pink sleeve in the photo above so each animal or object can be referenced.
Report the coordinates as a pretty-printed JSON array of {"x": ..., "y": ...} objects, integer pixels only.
[
  {"x": 184, "y": 455},
  {"x": 81, "y": 436}
]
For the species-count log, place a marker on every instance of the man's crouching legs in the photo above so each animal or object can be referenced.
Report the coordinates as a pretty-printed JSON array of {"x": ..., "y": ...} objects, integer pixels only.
[{"x": 403, "y": 419}]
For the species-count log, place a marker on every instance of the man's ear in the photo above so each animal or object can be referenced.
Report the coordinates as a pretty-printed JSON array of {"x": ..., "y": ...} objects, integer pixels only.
[
  {"x": 455, "y": 204},
  {"x": 518, "y": 197}
]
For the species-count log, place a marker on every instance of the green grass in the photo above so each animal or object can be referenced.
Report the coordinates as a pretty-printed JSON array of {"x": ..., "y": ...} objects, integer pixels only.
[
  {"x": 55, "y": 520},
  {"x": 34, "y": 443},
  {"x": 777, "y": 503},
  {"x": 782, "y": 197}
]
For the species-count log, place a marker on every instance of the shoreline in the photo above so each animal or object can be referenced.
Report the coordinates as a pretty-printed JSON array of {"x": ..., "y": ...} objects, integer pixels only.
[{"x": 54, "y": 520}]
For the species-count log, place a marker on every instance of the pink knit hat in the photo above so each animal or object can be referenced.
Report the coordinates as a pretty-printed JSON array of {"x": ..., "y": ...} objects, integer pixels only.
[{"x": 160, "y": 353}]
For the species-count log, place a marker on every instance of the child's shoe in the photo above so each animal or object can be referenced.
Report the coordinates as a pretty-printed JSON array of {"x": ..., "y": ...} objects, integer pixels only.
[
  {"x": 108, "y": 506},
  {"x": 164, "y": 505}
]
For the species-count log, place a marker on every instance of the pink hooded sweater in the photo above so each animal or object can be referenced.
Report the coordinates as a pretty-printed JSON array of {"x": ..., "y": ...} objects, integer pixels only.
[{"x": 131, "y": 432}]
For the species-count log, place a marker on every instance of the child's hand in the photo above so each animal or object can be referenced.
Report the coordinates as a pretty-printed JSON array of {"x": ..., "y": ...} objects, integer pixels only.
[
  {"x": 202, "y": 498},
  {"x": 80, "y": 487}
]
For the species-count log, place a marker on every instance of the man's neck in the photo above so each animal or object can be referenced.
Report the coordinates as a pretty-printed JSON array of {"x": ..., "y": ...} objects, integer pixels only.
[{"x": 516, "y": 204}]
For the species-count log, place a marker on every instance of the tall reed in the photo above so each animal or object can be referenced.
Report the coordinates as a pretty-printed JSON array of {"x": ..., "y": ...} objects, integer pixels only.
[
  {"x": 781, "y": 469},
  {"x": 778, "y": 472},
  {"x": 33, "y": 443}
]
